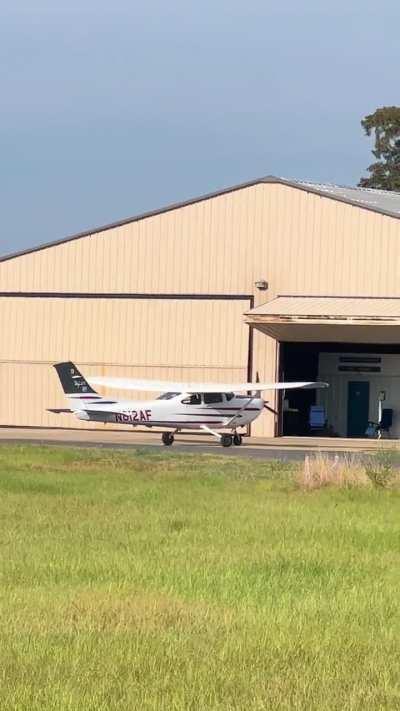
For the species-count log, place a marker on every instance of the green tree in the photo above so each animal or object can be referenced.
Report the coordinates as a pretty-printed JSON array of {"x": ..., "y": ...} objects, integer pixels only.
[{"x": 384, "y": 123}]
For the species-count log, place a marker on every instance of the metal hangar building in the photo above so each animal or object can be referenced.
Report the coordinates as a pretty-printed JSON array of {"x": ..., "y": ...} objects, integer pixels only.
[{"x": 275, "y": 278}]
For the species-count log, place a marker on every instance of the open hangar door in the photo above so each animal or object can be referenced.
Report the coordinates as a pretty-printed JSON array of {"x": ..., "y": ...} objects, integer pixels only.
[
  {"x": 358, "y": 375},
  {"x": 297, "y": 361}
]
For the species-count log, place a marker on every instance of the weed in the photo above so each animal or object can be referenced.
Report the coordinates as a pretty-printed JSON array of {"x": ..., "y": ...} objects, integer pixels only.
[
  {"x": 323, "y": 470},
  {"x": 381, "y": 468}
]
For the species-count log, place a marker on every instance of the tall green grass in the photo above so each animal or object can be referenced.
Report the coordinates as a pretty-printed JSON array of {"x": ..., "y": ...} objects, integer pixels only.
[{"x": 137, "y": 581}]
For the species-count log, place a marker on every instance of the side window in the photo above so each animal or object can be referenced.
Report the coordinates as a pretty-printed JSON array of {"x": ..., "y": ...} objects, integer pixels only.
[
  {"x": 194, "y": 399},
  {"x": 210, "y": 398}
]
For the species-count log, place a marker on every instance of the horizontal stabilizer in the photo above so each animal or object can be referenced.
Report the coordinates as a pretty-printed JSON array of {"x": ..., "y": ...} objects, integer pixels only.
[{"x": 59, "y": 410}]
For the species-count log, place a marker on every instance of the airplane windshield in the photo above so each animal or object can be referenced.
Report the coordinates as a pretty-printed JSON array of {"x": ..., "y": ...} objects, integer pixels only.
[
  {"x": 167, "y": 396},
  {"x": 210, "y": 398}
]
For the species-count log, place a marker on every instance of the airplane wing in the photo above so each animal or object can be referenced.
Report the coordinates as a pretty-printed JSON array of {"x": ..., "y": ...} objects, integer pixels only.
[{"x": 167, "y": 386}]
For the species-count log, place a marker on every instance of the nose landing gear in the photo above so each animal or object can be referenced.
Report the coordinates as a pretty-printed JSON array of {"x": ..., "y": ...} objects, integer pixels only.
[{"x": 227, "y": 440}]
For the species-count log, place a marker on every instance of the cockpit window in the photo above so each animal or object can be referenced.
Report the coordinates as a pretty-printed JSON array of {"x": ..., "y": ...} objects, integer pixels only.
[
  {"x": 210, "y": 398},
  {"x": 193, "y": 399},
  {"x": 167, "y": 396},
  {"x": 229, "y": 396}
]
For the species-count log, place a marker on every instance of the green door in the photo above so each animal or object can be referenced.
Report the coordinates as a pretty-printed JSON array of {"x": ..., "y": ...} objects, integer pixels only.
[{"x": 357, "y": 408}]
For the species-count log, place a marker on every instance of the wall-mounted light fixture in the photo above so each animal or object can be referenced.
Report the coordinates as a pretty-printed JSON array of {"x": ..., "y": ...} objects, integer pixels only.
[{"x": 261, "y": 284}]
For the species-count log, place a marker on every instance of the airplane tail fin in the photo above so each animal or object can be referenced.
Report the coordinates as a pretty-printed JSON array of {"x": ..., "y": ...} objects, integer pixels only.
[{"x": 75, "y": 387}]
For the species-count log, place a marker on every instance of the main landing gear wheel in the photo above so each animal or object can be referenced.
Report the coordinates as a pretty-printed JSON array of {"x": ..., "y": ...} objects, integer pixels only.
[
  {"x": 237, "y": 439},
  {"x": 226, "y": 440},
  {"x": 167, "y": 438}
]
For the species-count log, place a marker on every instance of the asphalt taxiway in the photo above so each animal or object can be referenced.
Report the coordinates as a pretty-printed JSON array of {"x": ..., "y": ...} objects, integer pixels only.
[{"x": 282, "y": 448}]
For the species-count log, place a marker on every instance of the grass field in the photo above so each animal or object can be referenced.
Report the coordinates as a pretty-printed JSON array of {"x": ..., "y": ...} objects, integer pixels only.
[{"x": 137, "y": 581}]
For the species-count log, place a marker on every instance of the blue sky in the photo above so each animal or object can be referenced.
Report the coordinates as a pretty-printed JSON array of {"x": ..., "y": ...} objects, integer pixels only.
[{"x": 110, "y": 109}]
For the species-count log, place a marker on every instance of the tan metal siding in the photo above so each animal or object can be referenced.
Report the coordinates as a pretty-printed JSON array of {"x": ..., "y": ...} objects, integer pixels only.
[
  {"x": 266, "y": 366},
  {"x": 143, "y": 332}
]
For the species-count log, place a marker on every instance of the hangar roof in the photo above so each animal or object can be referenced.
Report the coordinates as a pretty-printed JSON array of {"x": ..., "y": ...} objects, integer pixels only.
[{"x": 380, "y": 201}]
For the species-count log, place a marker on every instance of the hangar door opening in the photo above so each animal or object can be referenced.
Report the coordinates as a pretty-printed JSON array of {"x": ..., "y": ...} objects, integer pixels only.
[{"x": 363, "y": 379}]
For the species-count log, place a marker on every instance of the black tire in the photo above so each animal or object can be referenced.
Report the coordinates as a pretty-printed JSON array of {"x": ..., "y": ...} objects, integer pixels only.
[
  {"x": 237, "y": 439},
  {"x": 226, "y": 440},
  {"x": 167, "y": 438}
]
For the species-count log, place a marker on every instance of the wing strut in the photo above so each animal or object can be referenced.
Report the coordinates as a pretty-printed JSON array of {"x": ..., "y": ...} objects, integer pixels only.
[
  {"x": 230, "y": 423},
  {"x": 271, "y": 409}
]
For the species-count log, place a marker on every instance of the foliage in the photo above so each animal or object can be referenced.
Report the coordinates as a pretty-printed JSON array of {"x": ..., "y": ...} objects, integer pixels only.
[
  {"x": 384, "y": 123},
  {"x": 175, "y": 583},
  {"x": 381, "y": 469}
]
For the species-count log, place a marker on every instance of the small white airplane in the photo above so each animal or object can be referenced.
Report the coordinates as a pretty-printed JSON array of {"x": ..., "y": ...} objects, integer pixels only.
[{"x": 209, "y": 407}]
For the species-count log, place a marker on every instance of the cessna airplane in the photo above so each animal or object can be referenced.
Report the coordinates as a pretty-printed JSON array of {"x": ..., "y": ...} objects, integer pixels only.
[{"x": 200, "y": 406}]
